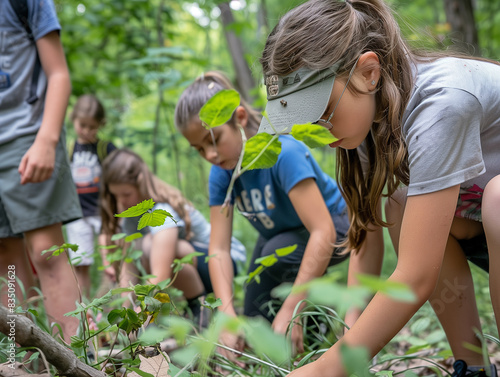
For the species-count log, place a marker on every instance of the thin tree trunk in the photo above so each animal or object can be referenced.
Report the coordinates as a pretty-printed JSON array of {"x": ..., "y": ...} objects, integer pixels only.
[
  {"x": 176, "y": 153},
  {"x": 460, "y": 16},
  {"x": 263, "y": 25},
  {"x": 244, "y": 78},
  {"x": 161, "y": 42}
]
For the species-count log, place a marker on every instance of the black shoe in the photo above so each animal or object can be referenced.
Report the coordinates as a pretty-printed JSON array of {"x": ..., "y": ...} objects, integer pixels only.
[{"x": 462, "y": 370}]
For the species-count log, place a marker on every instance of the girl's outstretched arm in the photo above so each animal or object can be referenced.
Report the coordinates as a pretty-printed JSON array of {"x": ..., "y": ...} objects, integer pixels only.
[
  {"x": 424, "y": 233},
  {"x": 220, "y": 264},
  {"x": 313, "y": 212}
]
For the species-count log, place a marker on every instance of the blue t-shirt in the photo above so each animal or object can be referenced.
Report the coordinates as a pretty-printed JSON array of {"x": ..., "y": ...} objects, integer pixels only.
[
  {"x": 262, "y": 194},
  {"x": 17, "y": 60}
]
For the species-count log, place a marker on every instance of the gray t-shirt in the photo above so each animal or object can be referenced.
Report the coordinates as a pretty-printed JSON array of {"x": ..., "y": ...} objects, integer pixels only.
[
  {"x": 452, "y": 129},
  {"x": 200, "y": 229},
  {"x": 17, "y": 61}
]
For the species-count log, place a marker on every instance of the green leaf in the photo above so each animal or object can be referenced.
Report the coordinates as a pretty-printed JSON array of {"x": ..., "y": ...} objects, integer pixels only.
[
  {"x": 143, "y": 290},
  {"x": 115, "y": 256},
  {"x": 261, "y": 151},
  {"x": 133, "y": 237},
  {"x": 153, "y": 304},
  {"x": 355, "y": 360},
  {"x": 212, "y": 302},
  {"x": 255, "y": 274},
  {"x": 265, "y": 341},
  {"x": 219, "y": 109},
  {"x": 397, "y": 291},
  {"x": 76, "y": 342},
  {"x": 155, "y": 218},
  {"x": 34, "y": 356},
  {"x": 267, "y": 261},
  {"x": 133, "y": 255},
  {"x": 132, "y": 315},
  {"x": 188, "y": 259},
  {"x": 33, "y": 311},
  {"x": 138, "y": 209},
  {"x": 118, "y": 236},
  {"x": 116, "y": 291},
  {"x": 109, "y": 247},
  {"x": 313, "y": 135},
  {"x": 140, "y": 372},
  {"x": 153, "y": 335},
  {"x": 116, "y": 315},
  {"x": 388, "y": 373},
  {"x": 57, "y": 250},
  {"x": 177, "y": 327},
  {"x": 284, "y": 251}
]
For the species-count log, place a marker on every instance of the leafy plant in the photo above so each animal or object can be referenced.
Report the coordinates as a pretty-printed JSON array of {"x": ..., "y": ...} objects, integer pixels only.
[{"x": 262, "y": 150}]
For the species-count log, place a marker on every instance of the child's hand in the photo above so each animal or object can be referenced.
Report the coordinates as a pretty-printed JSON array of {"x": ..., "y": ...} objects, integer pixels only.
[
  {"x": 110, "y": 273},
  {"x": 280, "y": 326},
  {"x": 37, "y": 165},
  {"x": 231, "y": 341}
]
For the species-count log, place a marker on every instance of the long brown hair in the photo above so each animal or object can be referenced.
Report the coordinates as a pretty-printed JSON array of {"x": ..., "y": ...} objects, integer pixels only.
[
  {"x": 199, "y": 92},
  {"x": 123, "y": 166},
  {"x": 320, "y": 33}
]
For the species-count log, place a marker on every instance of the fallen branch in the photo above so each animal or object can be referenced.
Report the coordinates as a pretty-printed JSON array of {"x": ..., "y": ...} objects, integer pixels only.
[{"x": 27, "y": 334}]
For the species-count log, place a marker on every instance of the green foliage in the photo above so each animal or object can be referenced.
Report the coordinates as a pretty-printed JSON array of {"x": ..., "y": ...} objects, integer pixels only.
[
  {"x": 355, "y": 360},
  {"x": 313, "y": 135},
  {"x": 268, "y": 261},
  {"x": 148, "y": 217},
  {"x": 137, "y": 56},
  {"x": 219, "y": 109},
  {"x": 261, "y": 152},
  {"x": 57, "y": 250}
]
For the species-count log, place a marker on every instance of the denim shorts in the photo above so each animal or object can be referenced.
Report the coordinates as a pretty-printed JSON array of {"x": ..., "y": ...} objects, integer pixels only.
[{"x": 35, "y": 205}]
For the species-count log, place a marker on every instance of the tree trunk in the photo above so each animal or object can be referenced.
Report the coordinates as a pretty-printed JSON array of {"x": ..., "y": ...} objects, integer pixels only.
[
  {"x": 460, "y": 16},
  {"x": 263, "y": 26},
  {"x": 244, "y": 79},
  {"x": 27, "y": 334}
]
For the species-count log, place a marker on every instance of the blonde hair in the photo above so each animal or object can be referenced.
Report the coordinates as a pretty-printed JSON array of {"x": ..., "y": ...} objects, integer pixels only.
[
  {"x": 123, "y": 166},
  {"x": 88, "y": 105},
  {"x": 199, "y": 92},
  {"x": 320, "y": 33}
]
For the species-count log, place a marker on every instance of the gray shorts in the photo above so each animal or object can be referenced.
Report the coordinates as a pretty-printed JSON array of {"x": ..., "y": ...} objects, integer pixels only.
[{"x": 35, "y": 205}]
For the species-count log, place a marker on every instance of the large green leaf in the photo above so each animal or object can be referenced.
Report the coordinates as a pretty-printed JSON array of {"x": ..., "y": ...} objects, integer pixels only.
[
  {"x": 396, "y": 290},
  {"x": 155, "y": 218},
  {"x": 284, "y": 251},
  {"x": 265, "y": 341},
  {"x": 261, "y": 151},
  {"x": 355, "y": 360},
  {"x": 138, "y": 209},
  {"x": 267, "y": 261},
  {"x": 313, "y": 135},
  {"x": 219, "y": 109}
]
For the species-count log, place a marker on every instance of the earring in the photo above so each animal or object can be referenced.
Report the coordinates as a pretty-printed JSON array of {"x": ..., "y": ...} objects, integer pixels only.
[{"x": 373, "y": 82}]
